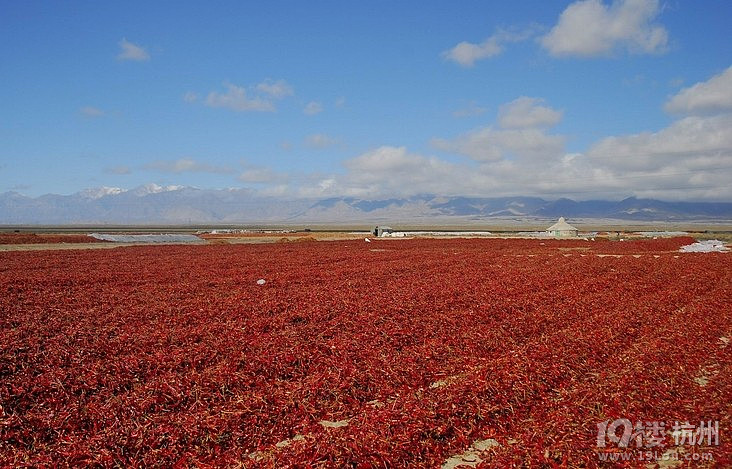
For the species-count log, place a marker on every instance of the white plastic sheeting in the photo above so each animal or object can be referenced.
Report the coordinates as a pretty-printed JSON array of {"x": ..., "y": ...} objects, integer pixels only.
[
  {"x": 403, "y": 234},
  {"x": 712, "y": 245},
  {"x": 148, "y": 238}
]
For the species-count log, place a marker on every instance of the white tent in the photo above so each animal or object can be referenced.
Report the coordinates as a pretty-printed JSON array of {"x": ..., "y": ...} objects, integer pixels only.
[{"x": 562, "y": 229}]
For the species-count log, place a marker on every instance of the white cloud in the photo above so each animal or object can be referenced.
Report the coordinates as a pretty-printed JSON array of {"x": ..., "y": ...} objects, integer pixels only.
[
  {"x": 390, "y": 170},
  {"x": 130, "y": 51},
  {"x": 526, "y": 112},
  {"x": 277, "y": 89},
  {"x": 259, "y": 176},
  {"x": 489, "y": 144},
  {"x": 471, "y": 110},
  {"x": 312, "y": 108},
  {"x": 522, "y": 134},
  {"x": 186, "y": 165},
  {"x": 385, "y": 159},
  {"x": 236, "y": 99},
  {"x": 713, "y": 95},
  {"x": 589, "y": 28},
  {"x": 687, "y": 140},
  {"x": 91, "y": 111},
  {"x": 394, "y": 171},
  {"x": 260, "y": 97},
  {"x": 320, "y": 141},
  {"x": 467, "y": 53},
  {"x": 610, "y": 169},
  {"x": 690, "y": 159},
  {"x": 190, "y": 97},
  {"x": 340, "y": 102}
]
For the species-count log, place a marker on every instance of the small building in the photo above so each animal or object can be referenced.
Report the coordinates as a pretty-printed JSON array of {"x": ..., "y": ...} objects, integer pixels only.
[
  {"x": 562, "y": 229},
  {"x": 380, "y": 231}
]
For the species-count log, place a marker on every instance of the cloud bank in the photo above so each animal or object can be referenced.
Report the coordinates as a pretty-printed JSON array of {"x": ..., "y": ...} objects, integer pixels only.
[{"x": 519, "y": 154}]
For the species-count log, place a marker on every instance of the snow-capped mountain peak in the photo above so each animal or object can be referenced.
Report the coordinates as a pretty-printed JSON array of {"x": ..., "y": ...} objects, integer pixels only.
[
  {"x": 153, "y": 188},
  {"x": 99, "y": 192}
]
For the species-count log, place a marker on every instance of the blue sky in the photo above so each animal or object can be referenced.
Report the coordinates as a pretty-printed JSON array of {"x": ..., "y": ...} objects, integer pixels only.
[{"x": 585, "y": 99}]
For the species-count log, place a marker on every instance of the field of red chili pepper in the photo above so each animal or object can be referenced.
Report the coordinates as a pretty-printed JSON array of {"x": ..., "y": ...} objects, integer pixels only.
[{"x": 352, "y": 354}]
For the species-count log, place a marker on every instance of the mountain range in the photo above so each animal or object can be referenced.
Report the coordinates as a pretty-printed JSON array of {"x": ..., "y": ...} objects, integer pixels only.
[{"x": 153, "y": 204}]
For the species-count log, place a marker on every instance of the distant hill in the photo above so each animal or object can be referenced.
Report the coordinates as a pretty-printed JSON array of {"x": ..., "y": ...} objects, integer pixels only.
[{"x": 185, "y": 205}]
